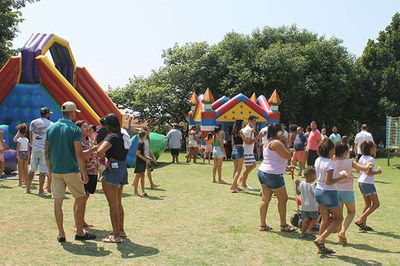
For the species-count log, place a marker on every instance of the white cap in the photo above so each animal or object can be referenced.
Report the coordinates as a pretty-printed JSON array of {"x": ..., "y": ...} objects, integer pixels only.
[{"x": 69, "y": 107}]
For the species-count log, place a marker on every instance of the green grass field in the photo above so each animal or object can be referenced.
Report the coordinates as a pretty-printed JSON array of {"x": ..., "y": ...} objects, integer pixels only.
[{"x": 190, "y": 221}]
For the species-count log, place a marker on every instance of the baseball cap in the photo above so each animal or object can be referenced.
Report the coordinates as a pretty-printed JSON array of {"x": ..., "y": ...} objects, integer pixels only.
[
  {"x": 45, "y": 110},
  {"x": 69, "y": 107}
]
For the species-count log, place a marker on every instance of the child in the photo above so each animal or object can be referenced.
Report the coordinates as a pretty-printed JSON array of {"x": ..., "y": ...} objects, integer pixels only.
[
  {"x": 209, "y": 147},
  {"x": 140, "y": 168},
  {"x": 3, "y": 147},
  {"x": 149, "y": 155},
  {"x": 326, "y": 193},
  {"x": 366, "y": 184},
  {"x": 218, "y": 154},
  {"x": 309, "y": 206},
  {"x": 345, "y": 188},
  {"x": 23, "y": 154}
]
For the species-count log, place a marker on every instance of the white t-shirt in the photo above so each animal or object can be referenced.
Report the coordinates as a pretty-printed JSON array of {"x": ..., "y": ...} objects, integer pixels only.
[
  {"x": 323, "y": 165},
  {"x": 38, "y": 127},
  {"x": 23, "y": 143},
  {"x": 360, "y": 137},
  {"x": 248, "y": 149},
  {"x": 174, "y": 137},
  {"x": 265, "y": 138},
  {"x": 363, "y": 177},
  {"x": 308, "y": 202}
]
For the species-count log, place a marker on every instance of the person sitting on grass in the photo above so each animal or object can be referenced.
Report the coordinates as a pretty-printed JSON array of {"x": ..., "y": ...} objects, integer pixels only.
[
  {"x": 309, "y": 206},
  {"x": 218, "y": 154},
  {"x": 141, "y": 165},
  {"x": 366, "y": 184},
  {"x": 345, "y": 188}
]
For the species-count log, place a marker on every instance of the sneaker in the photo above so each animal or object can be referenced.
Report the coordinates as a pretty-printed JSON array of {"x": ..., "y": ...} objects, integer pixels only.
[
  {"x": 249, "y": 188},
  {"x": 86, "y": 236}
]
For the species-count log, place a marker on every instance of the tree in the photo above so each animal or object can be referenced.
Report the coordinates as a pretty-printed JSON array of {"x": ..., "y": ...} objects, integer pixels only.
[
  {"x": 10, "y": 17},
  {"x": 380, "y": 76}
]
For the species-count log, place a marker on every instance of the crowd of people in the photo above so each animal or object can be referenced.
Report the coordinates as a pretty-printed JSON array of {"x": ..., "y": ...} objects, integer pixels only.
[
  {"x": 79, "y": 155},
  {"x": 328, "y": 163}
]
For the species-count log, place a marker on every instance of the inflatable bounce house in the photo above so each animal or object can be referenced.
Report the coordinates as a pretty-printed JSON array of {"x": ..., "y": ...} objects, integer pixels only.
[
  {"x": 207, "y": 112},
  {"x": 34, "y": 79}
]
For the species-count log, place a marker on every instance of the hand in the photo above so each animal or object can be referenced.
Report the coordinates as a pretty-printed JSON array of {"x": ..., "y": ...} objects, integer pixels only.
[
  {"x": 85, "y": 178},
  {"x": 379, "y": 171}
]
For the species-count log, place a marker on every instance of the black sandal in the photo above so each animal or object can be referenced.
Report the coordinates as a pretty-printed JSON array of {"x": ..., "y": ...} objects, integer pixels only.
[
  {"x": 362, "y": 226},
  {"x": 322, "y": 249}
]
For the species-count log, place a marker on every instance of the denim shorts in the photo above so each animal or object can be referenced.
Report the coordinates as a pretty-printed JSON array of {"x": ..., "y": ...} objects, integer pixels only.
[
  {"x": 237, "y": 152},
  {"x": 346, "y": 197},
  {"x": 309, "y": 215},
  {"x": 217, "y": 152},
  {"x": 327, "y": 198},
  {"x": 271, "y": 180},
  {"x": 367, "y": 189},
  {"x": 116, "y": 176}
]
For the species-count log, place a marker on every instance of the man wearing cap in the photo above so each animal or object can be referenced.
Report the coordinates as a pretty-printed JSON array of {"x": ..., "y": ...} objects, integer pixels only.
[
  {"x": 37, "y": 135},
  {"x": 64, "y": 158}
]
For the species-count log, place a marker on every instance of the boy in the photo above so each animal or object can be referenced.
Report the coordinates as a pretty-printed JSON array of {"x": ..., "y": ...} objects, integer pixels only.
[
  {"x": 309, "y": 206},
  {"x": 141, "y": 165}
]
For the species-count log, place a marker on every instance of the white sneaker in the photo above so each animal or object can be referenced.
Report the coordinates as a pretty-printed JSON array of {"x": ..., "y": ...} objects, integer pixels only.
[{"x": 249, "y": 188}]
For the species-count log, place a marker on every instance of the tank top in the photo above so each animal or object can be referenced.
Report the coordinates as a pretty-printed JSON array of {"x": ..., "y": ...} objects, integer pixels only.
[
  {"x": 216, "y": 143},
  {"x": 273, "y": 163},
  {"x": 209, "y": 141},
  {"x": 238, "y": 140}
]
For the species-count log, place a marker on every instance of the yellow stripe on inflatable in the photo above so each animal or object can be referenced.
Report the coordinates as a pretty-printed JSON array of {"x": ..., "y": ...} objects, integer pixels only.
[
  {"x": 61, "y": 41},
  {"x": 76, "y": 94}
]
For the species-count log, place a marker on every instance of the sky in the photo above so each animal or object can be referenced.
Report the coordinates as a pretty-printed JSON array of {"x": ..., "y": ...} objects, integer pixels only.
[{"x": 117, "y": 40}]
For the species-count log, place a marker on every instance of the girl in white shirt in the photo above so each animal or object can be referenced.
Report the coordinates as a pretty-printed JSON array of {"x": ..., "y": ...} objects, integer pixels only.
[
  {"x": 326, "y": 194},
  {"x": 23, "y": 154},
  {"x": 366, "y": 184}
]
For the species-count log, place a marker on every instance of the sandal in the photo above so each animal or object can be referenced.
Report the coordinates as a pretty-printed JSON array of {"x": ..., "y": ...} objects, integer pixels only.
[
  {"x": 342, "y": 239},
  {"x": 112, "y": 239},
  {"x": 222, "y": 182},
  {"x": 362, "y": 226},
  {"x": 264, "y": 228},
  {"x": 322, "y": 249},
  {"x": 144, "y": 194},
  {"x": 234, "y": 190},
  {"x": 288, "y": 228}
]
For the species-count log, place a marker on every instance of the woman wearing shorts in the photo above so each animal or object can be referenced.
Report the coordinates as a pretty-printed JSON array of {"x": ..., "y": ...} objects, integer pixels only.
[
  {"x": 270, "y": 174},
  {"x": 193, "y": 145},
  {"x": 90, "y": 161},
  {"x": 237, "y": 153},
  {"x": 115, "y": 148},
  {"x": 218, "y": 154}
]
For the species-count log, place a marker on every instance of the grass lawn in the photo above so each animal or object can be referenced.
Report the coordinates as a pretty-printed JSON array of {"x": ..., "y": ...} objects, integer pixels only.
[{"x": 190, "y": 221}]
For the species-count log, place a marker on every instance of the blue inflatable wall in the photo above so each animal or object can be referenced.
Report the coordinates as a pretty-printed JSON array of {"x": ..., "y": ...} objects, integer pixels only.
[{"x": 22, "y": 105}]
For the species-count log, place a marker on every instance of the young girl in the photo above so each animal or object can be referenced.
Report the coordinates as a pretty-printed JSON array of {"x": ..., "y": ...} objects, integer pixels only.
[
  {"x": 3, "y": 147},
  {"x": 193, "y": 147},
  {"x": 90, "y": 161},
  {"x": 345, "y": 188},
  {"x": 366, "y": 184},
  {"x": 237, "y": 153},
  {"x": 326, "y": 194},
  {"x": 209, "y": 147},
  {"x": 149, "y": 154},
  {"x": 218, "y": 154},
  {"x": 140, "y": 168},
  {"x": 23, "y": 154}
]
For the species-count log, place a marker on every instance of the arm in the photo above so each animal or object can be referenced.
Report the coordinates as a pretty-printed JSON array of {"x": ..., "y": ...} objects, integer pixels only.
[
  {"x": 47, "y": 156},
  {"x": 281, "y": 149},
  {"x": 360, "y": 167},
  {"x": 221, "y": 143},
  {"x": 329, "y": 178},
  {"x": 88, "y": 152},
  {"x": 139, "y": 154},
  {"x": 30, "y": 138},
  {"x": 81, "y": 160},
  {"x": 4, "y": 144},
  {"x": 16, "y": 136},
  {"x": 18, "y": 147},
  {"x": 249, "y": 141},
  {"x": 297, "y": 187}
]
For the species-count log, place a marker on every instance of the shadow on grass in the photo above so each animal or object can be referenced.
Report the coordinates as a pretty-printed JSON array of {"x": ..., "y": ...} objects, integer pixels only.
[
  {"x": 130, "y": 250},
  {"x": 5, "y": 187},
  {"x": 85, "y": 249},
  {"x": 160, "y": 165},
  {"x": 387, "y": 234},
  {"x": 353, "y": 260},
  {"x": 381, "y": 182}
]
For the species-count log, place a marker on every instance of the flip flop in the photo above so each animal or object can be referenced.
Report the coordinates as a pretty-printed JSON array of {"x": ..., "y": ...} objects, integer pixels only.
[{"x": 112, "y": 239}]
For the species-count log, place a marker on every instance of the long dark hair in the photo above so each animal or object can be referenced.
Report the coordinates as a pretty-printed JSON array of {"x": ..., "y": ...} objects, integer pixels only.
[
  {"x": 112, "y": 121},
  {"x": 273, "y": 130},
  {"x": 237, "y": 126}
]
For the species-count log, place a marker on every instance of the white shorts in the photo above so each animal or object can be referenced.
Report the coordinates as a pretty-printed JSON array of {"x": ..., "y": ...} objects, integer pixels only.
[
  {"x": 192, "y": 144},
  {"x": 38, "y": 160},
  {"x": 208, "y": 148},
  {"x": 249, "y": 159}
]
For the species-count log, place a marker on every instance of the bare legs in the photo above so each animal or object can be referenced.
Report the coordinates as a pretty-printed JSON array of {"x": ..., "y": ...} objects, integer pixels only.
[
  {"x": 371, "y": 204},
  {"x": 114, "y": 195},
  {"x": 282, "y": 197},
  {"x": 78, "y": 215},
  {"x": 217, "y": 167},
  {"x": 325, "y": 229},
  {"x": 237, "y": 169},
  {"x": 246, "y": 173},
  {"x": 351, "y": 212}
]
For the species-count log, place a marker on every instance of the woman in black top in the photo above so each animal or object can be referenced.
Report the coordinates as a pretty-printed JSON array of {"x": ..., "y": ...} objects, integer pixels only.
[
  {"x": 237, "y": 153},
  {"x": 115, "y": 149}
]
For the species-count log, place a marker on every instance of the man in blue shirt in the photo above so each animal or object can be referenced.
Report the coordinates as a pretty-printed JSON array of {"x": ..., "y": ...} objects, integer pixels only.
[
  {"x": 335, "y": 137},
  {"x": 64, "y": 158},
  {"x": 299, "y": 149}
]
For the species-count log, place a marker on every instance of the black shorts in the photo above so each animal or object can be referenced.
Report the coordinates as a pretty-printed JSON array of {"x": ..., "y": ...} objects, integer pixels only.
[
  {"x": 140, "y": 168},
  {"x": 174, "y": 152},
  {"x": 312, "y": 156},
  {"x": 91, "y": 185}
]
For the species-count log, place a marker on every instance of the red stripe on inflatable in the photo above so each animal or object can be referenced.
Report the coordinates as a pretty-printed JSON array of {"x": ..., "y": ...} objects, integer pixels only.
[
  {"x": 61, "y": 93},
  {"x": 208, "y": 115},
  {"x": 274, "y": 116},
  {"x": 228, "y": 105},
  {"x": 255, "y": 107},
  {"x": 94, "y": 94},
  {"x": 9, "y": 76}
]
